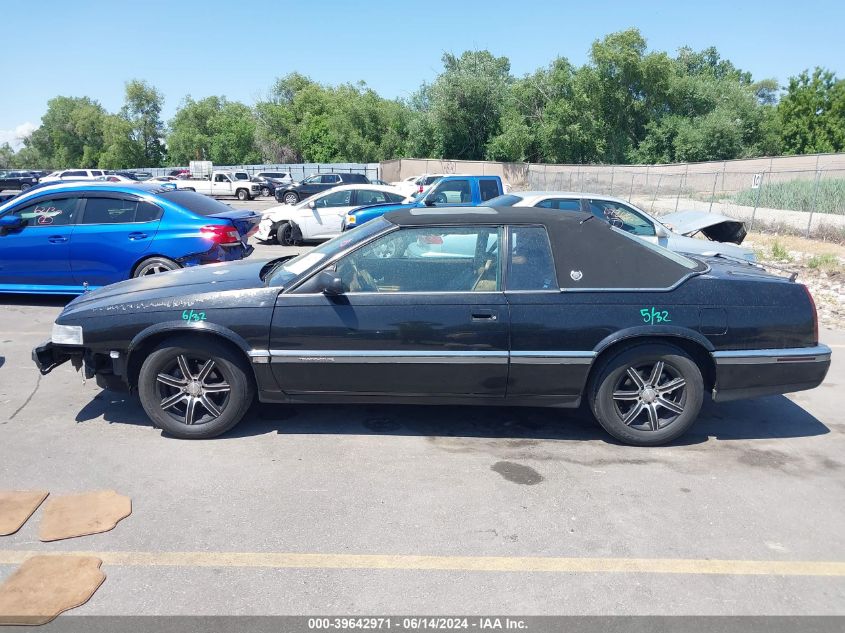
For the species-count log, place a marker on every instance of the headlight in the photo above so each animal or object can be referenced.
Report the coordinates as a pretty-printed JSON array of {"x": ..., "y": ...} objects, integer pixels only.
[
  {"x": 350, "y": 219},
  {"x": 66, "y": 334}
]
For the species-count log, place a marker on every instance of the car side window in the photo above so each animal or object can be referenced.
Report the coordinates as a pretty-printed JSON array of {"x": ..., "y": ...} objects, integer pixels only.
[
  {"x": 488, "y": 189},
  {"x": 311, "y": 180},
  {"x": 335, "y": 199},
  {"x": 395, "y": 197},
  {"x": 58, "y": 212},
  {"x": 622, "y": 216},
  {"x": 116, "y": 211},
  {"x": 426, "y": 259},
  {"x": 452, "y": 192},
  {"x": 369, "y": 196},
  {"x": 75, "y": 174},
  {"x": 220, "y": 178},
  {"x": 530, "y": 262},
  {"x": 564, "y": 204},
  {"x": 330, "y": 179}
]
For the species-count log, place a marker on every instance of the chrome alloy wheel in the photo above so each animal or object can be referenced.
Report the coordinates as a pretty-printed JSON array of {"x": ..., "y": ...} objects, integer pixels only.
[
  {"x": 193, "y": 390},
  {"x": 650, "y": 396}
]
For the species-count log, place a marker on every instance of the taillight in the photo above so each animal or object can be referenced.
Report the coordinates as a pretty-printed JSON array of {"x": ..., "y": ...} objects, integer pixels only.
[
  {"x": 815, "y": 316},
  {"x": 221, "y": 234}
]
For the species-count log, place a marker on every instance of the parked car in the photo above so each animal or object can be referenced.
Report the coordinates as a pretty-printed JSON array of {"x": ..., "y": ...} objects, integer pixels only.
[
  {"x": 527, "y": 316},
  {"x": 445, "y": 190},
  {"x": 379, "y": 181},
  {"x": 222, "y": 184},
  {"x": 180, "y": 173},
  {"x": 139, "y": 175},
  {"x": 321, "y": 216},
  {"x": 674, "y": 231},
  {"x": 317, "y": 183},
  {"x": 20, "y": 180},
  {"x": 268, "y": 185},
  {"x": 279, "y": 177},
  {"x": 73, "y": 174},
  {"x": 417, "y": 184},
  {"x": 69, "y": 237}
]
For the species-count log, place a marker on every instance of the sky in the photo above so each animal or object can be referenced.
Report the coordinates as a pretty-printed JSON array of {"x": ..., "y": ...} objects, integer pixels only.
[{"x": 92, "y": 47}]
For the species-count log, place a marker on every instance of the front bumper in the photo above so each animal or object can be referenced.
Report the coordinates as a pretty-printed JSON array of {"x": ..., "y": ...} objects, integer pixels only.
[
  {"x": 265, "y": 230},
  {"x": 48, "y": 356},
  {"x": 765, "y": 372}
]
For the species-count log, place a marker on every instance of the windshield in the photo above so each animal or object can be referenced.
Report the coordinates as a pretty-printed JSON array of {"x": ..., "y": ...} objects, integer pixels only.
[{"x": 306, "y": 261}]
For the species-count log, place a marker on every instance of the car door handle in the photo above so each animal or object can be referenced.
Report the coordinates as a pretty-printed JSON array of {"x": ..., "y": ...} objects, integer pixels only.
[
  {"x": 484, "y": 315},
  {"x": 137, "y": 236},
  {"x": 57, "y": 239}
]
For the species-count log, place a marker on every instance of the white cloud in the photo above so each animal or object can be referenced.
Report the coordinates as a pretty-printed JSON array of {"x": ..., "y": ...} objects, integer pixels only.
[{"x": 15, "y": 137}]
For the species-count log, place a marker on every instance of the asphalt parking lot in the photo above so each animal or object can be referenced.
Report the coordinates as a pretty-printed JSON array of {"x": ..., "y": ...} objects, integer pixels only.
[{"x": 435, "y": 510}]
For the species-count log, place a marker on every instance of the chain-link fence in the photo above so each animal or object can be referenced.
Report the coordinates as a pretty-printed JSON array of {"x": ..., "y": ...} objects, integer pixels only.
[{"x": 811, "y": 202}]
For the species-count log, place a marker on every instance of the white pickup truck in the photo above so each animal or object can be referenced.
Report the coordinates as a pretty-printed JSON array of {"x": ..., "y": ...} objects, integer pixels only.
[{"x": 222, "y": 183}]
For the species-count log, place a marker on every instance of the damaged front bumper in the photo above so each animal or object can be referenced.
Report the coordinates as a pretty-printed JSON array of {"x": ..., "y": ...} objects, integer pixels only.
[
  {"x": 48, "y": 356},
  {"x": 109, "y": 370}
]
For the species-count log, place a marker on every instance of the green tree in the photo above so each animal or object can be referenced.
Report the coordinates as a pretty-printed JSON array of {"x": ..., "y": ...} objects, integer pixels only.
[
  {"x": 71, "y": 132},
  {"x": 465, "y": 104},
  {"x": 120, "y": 149},
  {"x": 212, "y": 129},
  {"x": 7, "y": 156},
  {"x": 142, "y": 108},
  {"x": 812, "y": 113}
]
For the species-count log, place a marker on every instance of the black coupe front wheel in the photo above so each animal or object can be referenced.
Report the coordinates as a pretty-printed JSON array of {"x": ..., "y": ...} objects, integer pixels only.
[
  {"x": 648, "y": 394},
  {"x": 195, "y": 389}
]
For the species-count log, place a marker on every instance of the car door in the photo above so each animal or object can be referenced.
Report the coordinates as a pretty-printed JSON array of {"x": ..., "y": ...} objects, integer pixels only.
[
  {"x": 221, "y": 185},
  {"x": 325, "y": 219},
  {"x": 113, "y": 232},
  {"x": 38, "y": 253},
  {"x": 544, "y": 365},
  {"x": 408, "y": 324},
  {"x": 310, "y": 186}
]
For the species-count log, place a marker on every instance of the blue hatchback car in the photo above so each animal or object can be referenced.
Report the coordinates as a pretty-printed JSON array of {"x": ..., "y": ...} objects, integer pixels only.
[{"x": 65, "y": 238}]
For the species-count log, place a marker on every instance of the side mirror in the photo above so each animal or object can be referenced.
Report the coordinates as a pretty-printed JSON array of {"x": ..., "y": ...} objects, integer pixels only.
[
  {"x": 330, "y": 283},
  {"x": 312, "y": 205},
  {"x": 11, "y": 223},
  {"x": 429, "y": 201},
  {"x": 660, "y": 231}
]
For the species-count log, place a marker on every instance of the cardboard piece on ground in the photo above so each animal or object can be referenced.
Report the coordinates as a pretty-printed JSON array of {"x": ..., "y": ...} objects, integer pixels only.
[
  {"x": 69, "y": 516},
  {"x": 45, "y": 586},
  {"x": 16, "y": 506}
]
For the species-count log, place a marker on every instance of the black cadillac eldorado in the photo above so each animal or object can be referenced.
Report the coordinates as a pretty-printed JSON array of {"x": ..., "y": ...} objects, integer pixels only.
[{"x": 486, "y": 306}]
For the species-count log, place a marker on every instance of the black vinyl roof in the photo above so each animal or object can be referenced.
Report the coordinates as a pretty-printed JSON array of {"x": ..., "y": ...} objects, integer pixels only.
[{"x": 588, "y": 253}]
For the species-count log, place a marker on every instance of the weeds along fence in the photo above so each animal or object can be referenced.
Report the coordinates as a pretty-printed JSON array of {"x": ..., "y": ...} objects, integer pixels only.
[
  {"x": 810, "y": 202},
  {"x": 298, "y": 171}
]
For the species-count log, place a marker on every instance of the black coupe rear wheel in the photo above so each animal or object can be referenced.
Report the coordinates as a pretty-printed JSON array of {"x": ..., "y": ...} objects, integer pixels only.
[
  {"x": 648, "y": 394},
  {"x": 194, "y": 389}
]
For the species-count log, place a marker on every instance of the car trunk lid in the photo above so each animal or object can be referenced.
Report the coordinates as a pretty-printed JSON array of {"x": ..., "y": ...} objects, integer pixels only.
[{"x": 716, "y": 227}]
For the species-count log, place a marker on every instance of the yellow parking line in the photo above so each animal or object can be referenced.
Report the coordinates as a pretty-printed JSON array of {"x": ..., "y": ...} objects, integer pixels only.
[{"x": 279, "y": 560}]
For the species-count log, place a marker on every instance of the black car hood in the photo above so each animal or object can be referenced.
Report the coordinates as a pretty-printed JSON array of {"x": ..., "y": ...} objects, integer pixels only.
[{"x": 172, "y": 289}]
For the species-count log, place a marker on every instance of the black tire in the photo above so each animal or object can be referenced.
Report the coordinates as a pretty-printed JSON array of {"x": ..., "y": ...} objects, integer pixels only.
[
  {"x": 25, "y": 186},
  {"x": 284, "y": 234},
  {"x": 154, "y": 266},
  {"x": 212, "y": 412},
  {"x": 290, "y": 197},
  {"x": 631, "y": 409},
  {"x": 265, "y": 191},
  {"x": 243, "y": 195}
]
